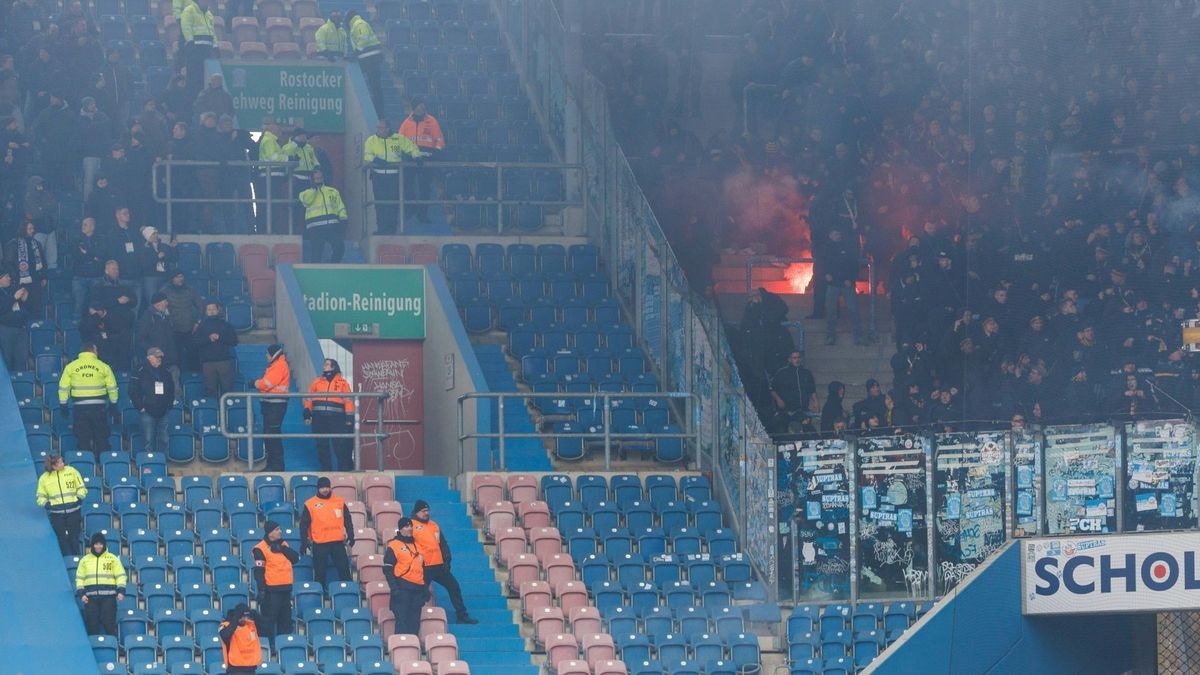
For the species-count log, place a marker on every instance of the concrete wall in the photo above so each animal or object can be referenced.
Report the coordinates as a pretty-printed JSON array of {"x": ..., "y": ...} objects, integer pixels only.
[
  {"x": 294, "y": 328},
  {"x": 445, "y": 338},
  {"x": 360, "y": 124},
  {"x": 980, "y": 629}
]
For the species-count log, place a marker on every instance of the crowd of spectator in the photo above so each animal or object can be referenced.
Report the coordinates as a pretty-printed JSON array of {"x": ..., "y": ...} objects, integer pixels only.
[{"x": 1023, "y": 173}]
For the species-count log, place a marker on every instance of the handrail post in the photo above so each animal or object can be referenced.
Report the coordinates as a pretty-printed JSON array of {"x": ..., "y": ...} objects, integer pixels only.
[
  {"x": 500, "y": 407},
  {"x": 499, "y": 199},
  {"x": 249, "y": 431},
  {"x": 269, "y": 221},
  {"x": 170, "y": 196},
  {"x": 462, "y": 457},
  {"x": 607, "y": 432},
  {"x": 357, "y": 457},
  {"x": 400, "y": 199},
  {"x": 379, "y": 435}
]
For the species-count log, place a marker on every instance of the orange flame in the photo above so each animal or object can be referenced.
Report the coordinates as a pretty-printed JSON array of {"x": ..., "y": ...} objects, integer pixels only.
[{"x": 799, "y": 275}]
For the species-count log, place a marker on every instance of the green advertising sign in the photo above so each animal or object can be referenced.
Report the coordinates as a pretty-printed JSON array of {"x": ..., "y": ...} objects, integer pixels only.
[
  {"x": 383, "y": 302},
  {"x": 313, "y": 97}
]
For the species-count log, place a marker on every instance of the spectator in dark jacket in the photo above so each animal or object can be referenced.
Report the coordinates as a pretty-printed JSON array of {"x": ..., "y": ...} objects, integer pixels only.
[
  {"x": 26, "y": 258},
  {"x": 87, "y": 265},
  {"x": 839, "y": 260},
  {"x": 152, "y": 392},
  {"x": 111, "y": 331},
  {"x": 123, "y": 244},
  {"x": 119, "y": 83},
  {"x": 157, "y": 261},
  {"x": 102, "y": 205},
  {"x": 873, "y": 405},
  {"x": 214, "y": 340},
  {"x": 833, "y": 412},
  {"x": 185, "y": 306},
  {"x": 14, "y": 331},
  {"x": 154, "y": 330}
]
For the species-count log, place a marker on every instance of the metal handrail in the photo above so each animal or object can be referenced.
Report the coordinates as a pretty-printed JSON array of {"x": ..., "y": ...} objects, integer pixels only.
[
  {"x": 357, "y": 434},
  {"x": 499, "y": 167},
  {"x": 773, "y": 261},
  {"x": 691, "y": 430},
  {"x": 267, "y": 174}
]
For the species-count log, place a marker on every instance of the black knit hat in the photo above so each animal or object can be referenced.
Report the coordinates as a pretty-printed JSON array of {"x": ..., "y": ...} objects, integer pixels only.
[
  {"x": 402, "y": 523},
  {"x": 274, "y": 349},
  {"x": 99, "y": 538},
  {"x": 323, "y": 481},
  {"x": 269, "y": 527},
  {"x": 420, "y": 505}
]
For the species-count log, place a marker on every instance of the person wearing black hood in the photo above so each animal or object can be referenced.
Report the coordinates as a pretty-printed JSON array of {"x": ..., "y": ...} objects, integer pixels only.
[
  {"x": 435, "y": 554},
  {"x": 214, "y": 340},
  {"x": 100, "y": 585},
  {"x": 874, "y": 404},
  {"x": 102, "y": 205},
  {"x": 404, "y": 569},
  {"x": 833, "y": 411},
  {"x": 325, "y": 524},
  {"x": 331, "y": 414},
  {"x": 273, "y": 561},
  {"x": 240, "y": 647}
]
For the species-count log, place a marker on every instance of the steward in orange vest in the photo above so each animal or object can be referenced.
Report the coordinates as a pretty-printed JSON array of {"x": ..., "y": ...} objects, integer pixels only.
[
  {"x": 273, "y": 560},
  {"x": 239, "y": 642},
  {"x": 331, "y": 414},
  {"x": 325, "y": 522},
  {"x": 276, "y": 379},
  {"x": 436, "y": 552},
  {"x": 404, "y": 569}
]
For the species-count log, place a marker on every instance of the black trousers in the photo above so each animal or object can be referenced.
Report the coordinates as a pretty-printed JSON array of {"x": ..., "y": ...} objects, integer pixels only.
[
  {"x": 100, "y": 615},
  {"x": 342, "y": 448},
  {"x": 67, "y": 527},
  {"x": 91, "y": 428},
  {"x": 441, "y": 574},
  {"x": 406, "y": 603},
  {"x": 321, "y": 555},
  {"x": 194, "y": 56},
  {"x": 273, "y": 424},
  {"x": 275, "y": 611},
  {"x": 372, "y": 70},
  {"x": 386, "y": 187},
  {"x": 317, "y": 238}
]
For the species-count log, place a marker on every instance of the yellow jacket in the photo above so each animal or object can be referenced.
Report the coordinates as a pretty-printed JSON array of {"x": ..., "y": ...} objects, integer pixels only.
[
  {"x": 197, "y": 26},
  {"x": 99, "y": 574},
  {"x": 62, "y": 490},
  {"x": 332, "y": 39},
  {"x": 86, "y": 380},
  {"x": 306, "y": 155},
  {"x": 390, "y": 150},
  {"x": 322, "y": 206},
  {"x": 363, "y": 41}
]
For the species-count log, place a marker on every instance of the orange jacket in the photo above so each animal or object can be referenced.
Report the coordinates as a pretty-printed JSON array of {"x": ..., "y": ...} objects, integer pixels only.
[
  {"x": 406, "y": 562},
  {"x": 426, "y": 134},
  {"x": 428, "y": 537},
  {"x": 328, "y": 404},
  {"x": 240, "y": 645},
  {"x": 276, "y": 378}
]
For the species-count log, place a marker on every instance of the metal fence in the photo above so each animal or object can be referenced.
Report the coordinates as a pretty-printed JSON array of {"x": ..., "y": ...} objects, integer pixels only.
[
  {"x": 247, "y": 432},
  {"x": 272, "y": 176},
  {"x": 601, "y": 434},
  {"x": 489, "y": 196}
]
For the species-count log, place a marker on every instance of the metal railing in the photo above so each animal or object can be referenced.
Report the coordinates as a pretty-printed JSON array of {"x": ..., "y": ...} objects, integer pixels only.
[
  {"x": 265, "y": 173},
  {"x": 600, "y": 402},
  {"x": 758, "y": 262},
  {"x": 229, "y": 400},
  {"x": 574, "y": 182}
]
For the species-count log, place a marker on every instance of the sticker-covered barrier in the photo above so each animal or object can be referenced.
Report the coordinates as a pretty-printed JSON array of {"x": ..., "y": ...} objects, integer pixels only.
[{"x": 910, "y": 516}]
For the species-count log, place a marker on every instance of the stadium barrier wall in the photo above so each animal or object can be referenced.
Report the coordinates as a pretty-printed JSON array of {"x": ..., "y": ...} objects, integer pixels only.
[
  {"x": 360, "y": 124},
  {"x": 294, "y": 328},
  {"x": 41, "y": 628}
]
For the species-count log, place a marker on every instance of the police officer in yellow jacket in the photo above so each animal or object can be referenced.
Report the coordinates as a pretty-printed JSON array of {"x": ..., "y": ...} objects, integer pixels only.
[
  {"x": 199, "y": 36},
  {"x": 100, "y": 584},
  {"x": 61, "y": 490},
  {"x": 368, "y": 51},
  {"x": 333, "y": 42},
  {"x": 382, "y": 153},
  {"x": 304, "y": 154},
  {"x": 324, "y": 221},
  {"x": 270, "y": 149},
  {"x": 89, "y": 383}
]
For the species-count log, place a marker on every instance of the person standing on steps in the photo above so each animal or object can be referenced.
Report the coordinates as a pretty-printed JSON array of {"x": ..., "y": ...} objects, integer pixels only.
[
  {"x": 273, "y": 561},
  {"x": 404, "y": 569},
  {"x": 325, "y": 524},
  {"x": 435, "y": 552},
  {"x": 61, "y": 490},
  {"x": 240, "y": 645},
  {"x": 275, "y": 380},
  {"x": 90, "y": 384},
  {"x": 100, "y": 584},
  {"x": 331, "y": 414}
]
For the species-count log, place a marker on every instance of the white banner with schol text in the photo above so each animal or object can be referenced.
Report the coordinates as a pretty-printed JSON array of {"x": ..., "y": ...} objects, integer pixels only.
[{"x": 1111, "y": 573}]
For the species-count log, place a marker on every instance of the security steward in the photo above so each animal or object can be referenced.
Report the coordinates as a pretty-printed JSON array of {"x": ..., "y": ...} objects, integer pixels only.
[
  {"x": 324, "y": 221},
  {"x": 331, "y": 415},
  {"x": 382, "y": 153},
  {"x": 240, "y": 646},
  {"x": 304, "y": 154},
  {"x": 333, "y": 42},
  {"x": 271, "y": 150},
  {"x": 276, "y": 379},
  {"x": 423, "y": 129},
  {"x": 199, "y": 36},
  {"x": 404, "y": 569},
  {"x": 61, "y": 490},
  {"x": 100, "y": 585},
  {"x": 273, "y": 560},
  {"x": 367, "y": 50},
  {"x": 325, "y": 523},
  {"x": 89, "y": 383},
  {"x": 435, "y": 551}
]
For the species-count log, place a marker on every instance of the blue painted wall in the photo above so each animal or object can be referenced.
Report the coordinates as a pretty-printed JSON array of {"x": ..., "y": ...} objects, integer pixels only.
[
  {"x": 981, "y": 630},
  {"x": 41, "y": 629}
]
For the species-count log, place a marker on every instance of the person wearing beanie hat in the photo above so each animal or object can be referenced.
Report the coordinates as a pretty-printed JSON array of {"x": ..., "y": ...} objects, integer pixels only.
[
  {"x": 240, "y": 647},
  {"x": 276, "y": 379},
  {"x": 435, "y": 552},
  {"x": 875, "y": 404},
  {"x": 273, "y": 561},
  {"x": 325, "y": 524},
  {"x": 404, "y": 569},
  {"x": 331, "y": 414},
  {"x": 157, "y": 260},
  {"x": 155, "y": 330},
  {"x": 100, "y": 585}
]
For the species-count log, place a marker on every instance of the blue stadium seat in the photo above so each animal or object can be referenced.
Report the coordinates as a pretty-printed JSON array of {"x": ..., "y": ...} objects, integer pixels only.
[
  {"x": 104, "y": 648},
  {"x": 319, "y": 621},
  {"x": 291, "y": 648},
  {"x": 168, "y": 622}
]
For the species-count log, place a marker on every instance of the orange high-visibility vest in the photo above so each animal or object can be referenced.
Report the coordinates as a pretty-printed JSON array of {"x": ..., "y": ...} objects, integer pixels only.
[
  {"x": 409, "y": 565},
  {"x": 276, "y": 379},
  {"x": 243, "y": 649},
  {"x": 328, "y": 521},
  {"x": 428, "y": 537},
  {"x": 329, "y": 404},
  {"x": 277, "y": 569}
]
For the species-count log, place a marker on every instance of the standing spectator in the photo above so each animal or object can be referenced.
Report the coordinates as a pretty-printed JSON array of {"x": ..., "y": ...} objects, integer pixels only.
[
  {"x": 235, "y": 145},
  {"x": 833, "y": 412},
  {"x": 332, "y": 41},
  {"x": 140, "y": 183},
  {"x": 214, "y": 99},
  {"x": 324, "y": 221},
  {"x": 123, "y": 244},
  {"x": 111, "y": 331},
  {"x": 183, "y": 310},
  {"x": 88, "y": 382},
  {"x": 331, "y": 414},
  {"x": 325, "y": 524},
  {"x": 423, "y": 129},
  {"x": 60, "y": 489},
  {"x": 207, "y": 147},
  {"x": 157, "y": 261},
  {"x": 100, "y": 584},
  {"x": 276, "y": 379},
  {"x": 116, "y": 168},
  {"x": 840, "y": 261},
  {"x": 794, "y": 392},
  {"x": 196, "y": 24},
  {"x": 273, "y": 577},
  {"x": 435, "y": 555},
  {"x": 153, "y": 394},
  {"x": 404, "y": 570},
  {"x": 154, "y": 330},
  {"x": 177, "y": 102},
  {"x": 55, "y": 133},
  {"x": 214, "y": 340},
  {"x": 382, "y": 153},
  {"x": 25, "y": 255},
  {"x": 102, "y": 204},
  {"x": 88, "y": 263},
  {"x": 119, "y": 82},
  {"x": 95, "y": 138},
  {"x": 14, "y": 323},
  {"x": 40, "y": 206},
  {"x": 365, "y": 47}
]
